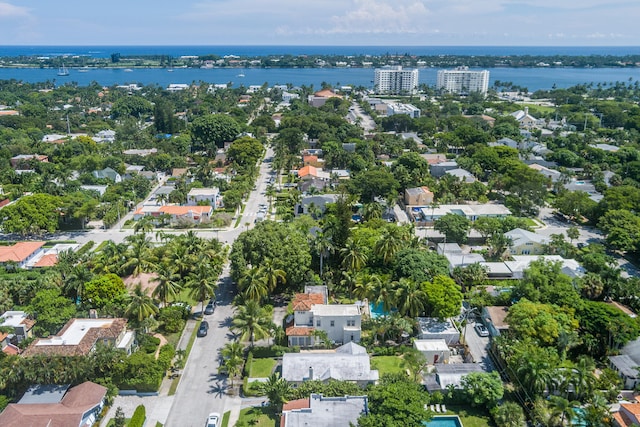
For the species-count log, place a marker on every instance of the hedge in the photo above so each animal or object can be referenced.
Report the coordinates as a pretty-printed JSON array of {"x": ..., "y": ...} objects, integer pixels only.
[{"x": 139, "y": 415}]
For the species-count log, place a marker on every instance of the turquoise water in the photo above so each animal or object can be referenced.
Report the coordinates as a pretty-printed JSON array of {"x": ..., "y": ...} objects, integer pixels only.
[
  {"x": 377, "y": 311},
  {"x": 444, "y": 421}
]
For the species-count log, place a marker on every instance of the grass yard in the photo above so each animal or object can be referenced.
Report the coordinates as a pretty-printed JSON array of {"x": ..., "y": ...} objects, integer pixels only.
[
  {"x": 471, "y": 417},
  {"x": 258, "y": 417},
  {"x": 387, "y": 364},
  {"x": 261, "y": 368},
  {"x": 225, "y": 419}
]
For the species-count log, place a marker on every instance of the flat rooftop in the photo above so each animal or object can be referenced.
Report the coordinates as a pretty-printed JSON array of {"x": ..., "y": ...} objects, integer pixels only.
[{"x": 76, "y": 331}]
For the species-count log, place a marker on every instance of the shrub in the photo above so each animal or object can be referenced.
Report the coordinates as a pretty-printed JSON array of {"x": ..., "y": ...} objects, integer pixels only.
[
  {"x": 247, "y": 365},
  {"x": 139, "y": 415},
  {"x": 148, "y": 343},
  {"x": 165, "y": 356},
  {"x": 172, "y": 318}
]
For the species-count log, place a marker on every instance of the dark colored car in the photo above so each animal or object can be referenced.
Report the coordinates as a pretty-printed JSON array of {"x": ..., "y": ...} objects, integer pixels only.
[{"x": 203, "y": 329}]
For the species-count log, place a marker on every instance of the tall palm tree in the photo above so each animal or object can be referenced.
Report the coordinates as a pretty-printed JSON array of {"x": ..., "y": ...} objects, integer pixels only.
[
  {"x": 139, "y": 255},
  {"x": 353, "y": 258},
  {"x": 182, "y": 259},
  {"x": 140, "y": 305},
  {"x": 278, "y": 391},
  {"x": 534, "y": 375},
  {"x": 251, "y": 321},
  {"x": 411, "y": 297},
  {"x": 392, "y": 239},
  {"x": 167, "y": 287},
  {"x": 366, "y": 286},
  {"x": 272, "y": 274},
  {"x": 253, "y": 285},
  {"x": 202, "y": 284},
  {"x": 323, "y": 247},
  {"x": 144, "y": 225},
  {"x": 563, "y": 408},
  {"x": 582, "y": 378}
]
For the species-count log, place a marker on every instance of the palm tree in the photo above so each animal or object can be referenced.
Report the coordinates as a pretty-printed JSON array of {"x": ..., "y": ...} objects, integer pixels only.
[
  {"x": 252, "y": 321},
  {"x": 141, "y": 305},
  {"x": 168, "y": 287},
  {"x": 534, "y": 375},
  {"x": 582, "y": 378},
  {"x": 181, "y": 259},
  {"x": 272, "y": 274},
  {"x": 253, "y": 285},
  {"x": 563, "y": 408},
  {"x": 323, "y": 247},
  {"x": 143, "y": 225},
  {"x": 352, "y": 256},
  {"x": 411, "y": 297},
  {"x": 366, "y": 286},
  {"x": 202, "y": 284},
  {"x": 278, "y": 391},
  {"x": 390, "y": 242},
  {"x": 139, "y": 254}
]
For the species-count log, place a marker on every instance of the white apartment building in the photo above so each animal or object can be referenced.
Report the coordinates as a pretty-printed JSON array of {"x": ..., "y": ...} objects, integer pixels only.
[
  {"x": 395, "y": 80},
  {"x": 462, "y": 80},
  {"x": 408, "y": 109}
]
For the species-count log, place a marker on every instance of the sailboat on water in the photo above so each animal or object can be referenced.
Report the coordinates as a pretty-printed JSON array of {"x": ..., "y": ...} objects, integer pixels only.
[{"x": 62, "y": 71}]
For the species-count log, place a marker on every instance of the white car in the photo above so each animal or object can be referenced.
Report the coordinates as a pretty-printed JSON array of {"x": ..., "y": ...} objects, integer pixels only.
[
  {"x": 213, "y": 420},
  {"x": 481, "y": 330}
]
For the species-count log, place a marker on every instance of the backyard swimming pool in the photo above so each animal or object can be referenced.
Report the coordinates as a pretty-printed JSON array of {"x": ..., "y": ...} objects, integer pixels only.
[
  {"x": 444, "y": 421},
  {"x": 377, "y": 311}
]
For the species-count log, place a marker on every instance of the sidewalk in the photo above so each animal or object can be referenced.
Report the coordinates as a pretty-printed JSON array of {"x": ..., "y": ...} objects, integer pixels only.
[{"x": 157, "y": 407}]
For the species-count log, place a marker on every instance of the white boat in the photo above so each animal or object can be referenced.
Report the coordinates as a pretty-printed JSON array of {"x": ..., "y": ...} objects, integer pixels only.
[
  {"x": 128, "y": 70},
  {"x": 241, "y": 74},
  {"x": 83, "y": 69},
  {"x": 62, "y": 71}
]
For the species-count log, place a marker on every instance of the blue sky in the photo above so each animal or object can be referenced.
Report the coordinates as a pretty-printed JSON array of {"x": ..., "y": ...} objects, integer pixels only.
[{"x": 321, "y": 22}]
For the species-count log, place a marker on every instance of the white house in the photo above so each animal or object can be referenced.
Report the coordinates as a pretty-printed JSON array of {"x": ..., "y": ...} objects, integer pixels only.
[
  {"x": 349, "y": 362},
  {"x": 525, "y": 242},
  {"x": 341, "y": 322},
  {"x": 209, "y": 195}
]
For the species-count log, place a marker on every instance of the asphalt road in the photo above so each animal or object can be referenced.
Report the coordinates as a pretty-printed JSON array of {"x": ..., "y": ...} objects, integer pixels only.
[{"x": 202, "y": 388}]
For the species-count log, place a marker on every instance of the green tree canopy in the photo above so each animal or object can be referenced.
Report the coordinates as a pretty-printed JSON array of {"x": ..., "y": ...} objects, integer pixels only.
[
  {"x": 443, "y": 296},
  {"x": 103, "y": 290},
  {"x": 32, "y": 214},
  {"x": 213, "y": 130},
  {"x": 454, "y": 227},
  {"x": 482, "y": 388},
  {"x": 52, "y": 311}
]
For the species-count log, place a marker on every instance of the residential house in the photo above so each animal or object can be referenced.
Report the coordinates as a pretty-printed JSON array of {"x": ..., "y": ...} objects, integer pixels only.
[
  {"x": 107, "y": 173},
  {"x": 520, "y": 263},
  {"x": 20, "y": 254},
  {"x": 100, "y": 189},
  {"x": 526, "y": 120},
  {"x": 434, "y": 351},
  {"x": 525, "y": 242},
  {"x": 49, "y": 257},
  {"x": 627, "y": 416},
  {"x": 140, "y": 152},
  {"x": 21, "y": 323},
  {"x": 627, "y": 369},
  {"x": 24, "y": 161},
  {"x": 431, "y": 328},
  {"x": 287, "y": 97},
  {"x": 451, "y": 374},
  {"x": 210, "y": 195},
  {"x": 407, "y": 109},
  {"x": 418, "y": 196},
  {"x": 438, "y": 170},
  {"x": 493, "y": 318},
  {"x": 320, "y": 98},
  {"x": 314, "y": 205},
  {"x": 429, "y": 214},
  {"x": 79, "y": 337},
  {"x": 191, "y": 214},
  {"x": 56, "y": 406},
  {"x": 341, "y": 322},
  {"x": 349, "y": 362},
  {"x": 106, "y": 135},
  {"x": 462, "y": 174},
  {"x": 320, "y": 411}
]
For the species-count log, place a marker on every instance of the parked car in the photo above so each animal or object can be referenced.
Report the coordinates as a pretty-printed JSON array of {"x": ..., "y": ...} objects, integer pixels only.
[
  {"x": 209, "y": 309},
  {"x": 203, "y": 329},
  {"x": 481, "y": 330},
  {"x": 212, "y": 420}
]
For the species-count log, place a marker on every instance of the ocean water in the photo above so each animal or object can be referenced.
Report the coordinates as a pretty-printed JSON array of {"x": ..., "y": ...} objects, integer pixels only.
[
  {"x": 265, "y": 50},
  {"x": 531, "y": 78}
]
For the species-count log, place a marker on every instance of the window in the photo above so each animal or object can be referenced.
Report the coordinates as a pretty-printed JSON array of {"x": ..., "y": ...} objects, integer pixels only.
[
  {"x": 351, "y": 322},
  {"x": 318, "y": 322},
  {"x": 333, "y": 323}
]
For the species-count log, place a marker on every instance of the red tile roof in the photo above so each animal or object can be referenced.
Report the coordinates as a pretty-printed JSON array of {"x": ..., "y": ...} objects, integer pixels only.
[
  {"x": 308, "y": 170},
  {"x": 327, "y": 93},
  {"x": 68, "y": 412},
  {"x": 303, "y": 302},
  {"x": 19, "y": 252},
  {"x": 185, "y": 210},
  {"x": 292, "y": 406},
  {"x": 47, "y": 261},
  {"x": 299, "y": 331}
]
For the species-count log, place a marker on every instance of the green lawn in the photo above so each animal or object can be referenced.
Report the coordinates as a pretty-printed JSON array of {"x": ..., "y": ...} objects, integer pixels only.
[
  {"x": 225, "y": 419},
  {"x": 387, "y": 364},
  {"x": 261, "y": 368},
  {"x": 257, "y": 417},
  {"x": 471, "y": 417}
]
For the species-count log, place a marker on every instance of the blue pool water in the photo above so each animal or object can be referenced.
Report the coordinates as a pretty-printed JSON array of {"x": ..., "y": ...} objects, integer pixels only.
[
  {"x": 444, "y": 421},
  {"x": 377, "y": 311}
]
